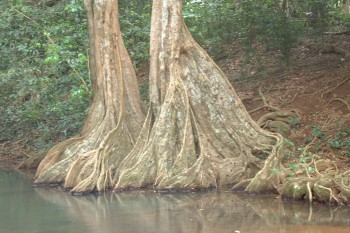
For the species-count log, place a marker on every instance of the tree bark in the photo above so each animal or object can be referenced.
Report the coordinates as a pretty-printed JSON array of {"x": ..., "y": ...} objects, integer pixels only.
[
  {"x": 115, "y": 117},
  {"x": 346, "y": 7},
  {"x": 197, "y": 134}
]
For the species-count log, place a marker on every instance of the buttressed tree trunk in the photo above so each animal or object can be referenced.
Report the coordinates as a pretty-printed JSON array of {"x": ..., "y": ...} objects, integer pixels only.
[
  {"x": 115, "y": 117},
  {"x": 197, "y": 134}
]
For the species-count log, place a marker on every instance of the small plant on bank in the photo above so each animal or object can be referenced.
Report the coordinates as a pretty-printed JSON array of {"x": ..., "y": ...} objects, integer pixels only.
[
  {"x": 318, "y": 132},
  {"x": 294, "y": 122},
  {"x": 341, "y": 141}
]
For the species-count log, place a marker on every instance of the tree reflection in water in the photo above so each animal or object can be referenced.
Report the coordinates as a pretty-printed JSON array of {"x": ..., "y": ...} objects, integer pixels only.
[{"x": 197, "y": 212}]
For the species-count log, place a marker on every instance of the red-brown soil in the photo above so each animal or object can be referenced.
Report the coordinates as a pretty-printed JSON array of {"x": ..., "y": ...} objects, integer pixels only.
[{"x": 317, "y": 86}]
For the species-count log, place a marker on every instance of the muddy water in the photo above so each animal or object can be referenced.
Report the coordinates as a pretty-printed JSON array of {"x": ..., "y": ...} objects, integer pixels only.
[{"x": 50, "y": 210}]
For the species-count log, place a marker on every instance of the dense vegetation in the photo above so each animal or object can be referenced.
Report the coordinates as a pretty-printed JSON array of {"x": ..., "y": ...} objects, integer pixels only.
[
  {"x": 44, "y": 83},
  {"x": 45, "y": 88}
]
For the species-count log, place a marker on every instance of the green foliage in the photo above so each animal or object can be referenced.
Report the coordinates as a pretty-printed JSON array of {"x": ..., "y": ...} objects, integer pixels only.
[
  {"x": 341, "y": 141},
  {"x": 300, "y": 160},
  {"x": 45, "y": 87},
  {"x": 211, "y": 23},
  {"x": 277, "y": 26},
  {"x": 264, "y": 23},
  {"x": 144, "y": 91},
  {"x": 294, "y": 121},
  {"x": 318, "y": 132},
  {"x": 288, "y": 142},
  {"x": 44, "y": 81},
  {"x": 135, "y": 20}
]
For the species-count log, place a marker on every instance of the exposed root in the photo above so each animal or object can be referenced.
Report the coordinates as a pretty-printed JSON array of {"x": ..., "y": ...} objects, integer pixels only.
[
  {"x": 324, "y": 185},
  {"x": 272, "y": 175},
  {"x": 115, "y": 117},
  {"x": 309, "y": 192},
  {"x": 265, "y": 104},
  {"x": 334, "y": 88},
  {"x": 343, "y": 101},
  {"x": 278, "y": 121},
  {"x": 198, "y": 135},
  {"x": 315, "y": 180},
  {"x": 337, "y": 50}
]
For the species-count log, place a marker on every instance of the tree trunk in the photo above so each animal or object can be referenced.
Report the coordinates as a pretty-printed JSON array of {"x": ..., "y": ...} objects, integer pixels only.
[
  {"x": 197, "y": 134},
  {"x": 346, "y": 7},
  {"x": 115, "y": 117}
]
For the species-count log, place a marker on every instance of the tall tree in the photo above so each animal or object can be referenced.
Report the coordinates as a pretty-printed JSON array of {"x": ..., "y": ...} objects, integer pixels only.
[
  {"x": 346, "y": 7},
  {"x": 197, "y": 133},
  {"x": 115, "y": 117}
]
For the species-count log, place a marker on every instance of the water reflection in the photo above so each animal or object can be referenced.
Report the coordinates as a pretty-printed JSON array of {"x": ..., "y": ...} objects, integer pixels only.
[
  {"x": 50, "y": 210},
  {"x": 194, "y": 212}
]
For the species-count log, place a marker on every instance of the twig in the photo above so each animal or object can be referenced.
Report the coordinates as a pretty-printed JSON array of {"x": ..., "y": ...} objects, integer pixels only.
[
  {"x": 35, "y": 22},
  {"x": 265, "y": 104},
  {"x": 81, "y": 79},
  {"x": 336, "y": 33},
  {"x": 334, "y": 88},
  {"x": 296, "y": 94},
  {"x": 343, "y": 101}
]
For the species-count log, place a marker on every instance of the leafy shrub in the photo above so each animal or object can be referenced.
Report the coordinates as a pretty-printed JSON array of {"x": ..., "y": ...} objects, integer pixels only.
[{"x": 45, "y": 85}]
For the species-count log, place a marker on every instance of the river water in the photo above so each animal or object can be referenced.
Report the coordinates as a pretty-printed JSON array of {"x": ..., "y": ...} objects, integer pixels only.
[{"x": 24, "y": 209}]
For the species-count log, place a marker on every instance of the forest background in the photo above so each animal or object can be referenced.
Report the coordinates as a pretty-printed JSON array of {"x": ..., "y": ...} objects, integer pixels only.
[{"x": 45, "y": 86}]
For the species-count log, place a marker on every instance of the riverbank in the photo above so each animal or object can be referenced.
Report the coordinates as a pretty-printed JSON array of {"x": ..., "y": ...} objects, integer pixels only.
[{"x": 315, "y": 86}]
